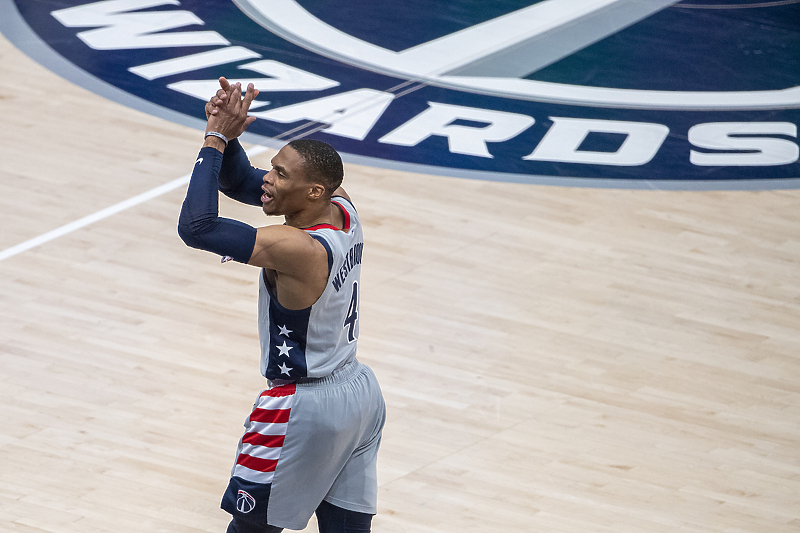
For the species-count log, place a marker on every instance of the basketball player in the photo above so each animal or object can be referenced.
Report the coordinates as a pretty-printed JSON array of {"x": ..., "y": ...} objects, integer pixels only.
[{"x": 311, "y": 441}]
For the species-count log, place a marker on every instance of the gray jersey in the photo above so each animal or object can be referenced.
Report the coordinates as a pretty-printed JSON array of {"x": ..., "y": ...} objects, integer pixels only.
[{"x": 313, "y": 342}]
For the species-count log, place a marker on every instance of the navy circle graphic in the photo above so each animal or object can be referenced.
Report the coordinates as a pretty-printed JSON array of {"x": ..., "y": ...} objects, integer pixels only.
[{"x": 665, "y": 94}]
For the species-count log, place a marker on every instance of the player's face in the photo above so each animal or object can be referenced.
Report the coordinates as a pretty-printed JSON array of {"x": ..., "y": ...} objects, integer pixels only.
[{"x": 285, "y": 186}]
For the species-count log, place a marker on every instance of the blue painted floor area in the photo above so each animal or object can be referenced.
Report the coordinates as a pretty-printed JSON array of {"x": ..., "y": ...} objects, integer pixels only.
[{"x": 693, "y": 94}]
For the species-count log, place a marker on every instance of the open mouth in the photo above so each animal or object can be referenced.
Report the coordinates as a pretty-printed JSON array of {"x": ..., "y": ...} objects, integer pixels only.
[{"x": 266, "y": 197}]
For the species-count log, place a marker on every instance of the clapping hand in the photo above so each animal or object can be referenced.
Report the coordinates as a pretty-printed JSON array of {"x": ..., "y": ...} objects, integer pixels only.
[{"x": 226, "y": 111}]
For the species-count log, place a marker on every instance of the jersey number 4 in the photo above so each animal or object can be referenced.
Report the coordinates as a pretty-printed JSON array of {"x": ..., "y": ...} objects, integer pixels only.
[{"x": 352, "y": 315}]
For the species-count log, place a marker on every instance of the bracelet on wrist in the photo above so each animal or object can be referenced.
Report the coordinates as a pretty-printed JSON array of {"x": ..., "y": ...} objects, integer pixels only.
[{"x": 217, "y": 135}]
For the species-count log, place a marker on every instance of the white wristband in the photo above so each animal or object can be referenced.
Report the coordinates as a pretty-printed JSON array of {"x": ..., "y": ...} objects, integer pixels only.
[{"x": 218, "y": 135}]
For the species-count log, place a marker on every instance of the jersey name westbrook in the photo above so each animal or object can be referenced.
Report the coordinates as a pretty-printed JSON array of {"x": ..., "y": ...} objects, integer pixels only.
[{"x": 352, "y": 259}]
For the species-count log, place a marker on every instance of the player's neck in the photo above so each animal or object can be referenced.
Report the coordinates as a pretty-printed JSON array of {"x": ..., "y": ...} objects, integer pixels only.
[{"x": 319, "y": 214}]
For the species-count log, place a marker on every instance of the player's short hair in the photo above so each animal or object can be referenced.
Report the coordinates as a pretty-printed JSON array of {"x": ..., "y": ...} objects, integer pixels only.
[{"x": 321, "y": 163}]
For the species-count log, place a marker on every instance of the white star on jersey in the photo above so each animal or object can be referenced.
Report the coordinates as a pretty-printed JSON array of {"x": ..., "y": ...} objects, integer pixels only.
[
  {"x": 284, "y": 369},
  {"x": 284, "y": 330},
  {"x": 283, "y": 349}
]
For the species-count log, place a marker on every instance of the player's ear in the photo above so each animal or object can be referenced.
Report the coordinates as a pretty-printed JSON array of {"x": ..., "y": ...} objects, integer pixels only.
[{"x": 317, "y": 192}]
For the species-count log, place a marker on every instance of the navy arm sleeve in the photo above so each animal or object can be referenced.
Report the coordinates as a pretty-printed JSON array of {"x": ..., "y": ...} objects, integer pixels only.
[
  {"x": 200, "y": 225},
  {"x": 238, "y": 179}
]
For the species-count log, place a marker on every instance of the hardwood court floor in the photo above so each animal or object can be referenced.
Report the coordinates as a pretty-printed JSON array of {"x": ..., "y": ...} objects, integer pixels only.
[{"x": 553, "y": 359}]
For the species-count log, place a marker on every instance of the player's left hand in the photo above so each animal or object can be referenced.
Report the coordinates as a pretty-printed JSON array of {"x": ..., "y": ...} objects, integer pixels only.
[{"x": 227, "y": 110}]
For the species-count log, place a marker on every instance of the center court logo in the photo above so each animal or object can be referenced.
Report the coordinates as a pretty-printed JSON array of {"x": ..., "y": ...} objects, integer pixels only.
[
  {"x": 244, "y": 502},
  {"x": 628, "y": 93}
]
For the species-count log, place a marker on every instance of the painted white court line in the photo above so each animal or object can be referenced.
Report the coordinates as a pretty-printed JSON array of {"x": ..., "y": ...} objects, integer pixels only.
[{"x": 107, "y": 212}]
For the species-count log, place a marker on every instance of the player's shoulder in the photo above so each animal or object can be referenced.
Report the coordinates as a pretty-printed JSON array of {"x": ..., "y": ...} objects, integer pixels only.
[{"x": 283, "y": 234}]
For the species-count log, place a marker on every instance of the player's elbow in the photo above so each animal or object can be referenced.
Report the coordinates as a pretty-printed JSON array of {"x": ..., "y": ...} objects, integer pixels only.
[
  {"x": 193, "y": 232},
  {"x": 187, "y": 234}
]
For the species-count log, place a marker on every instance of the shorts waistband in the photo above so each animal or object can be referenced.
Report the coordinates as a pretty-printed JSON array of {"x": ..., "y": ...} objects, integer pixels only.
[{"x": 342, "y": 374}]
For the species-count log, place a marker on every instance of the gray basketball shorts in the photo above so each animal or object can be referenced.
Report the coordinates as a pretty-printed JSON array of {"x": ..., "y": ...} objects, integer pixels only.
[{"x": 309, "y": 441}]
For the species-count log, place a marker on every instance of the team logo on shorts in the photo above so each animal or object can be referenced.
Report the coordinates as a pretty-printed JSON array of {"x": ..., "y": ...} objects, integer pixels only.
[
  {"x": 244, "y": 502},
  {"x": 678, "y": 94}
]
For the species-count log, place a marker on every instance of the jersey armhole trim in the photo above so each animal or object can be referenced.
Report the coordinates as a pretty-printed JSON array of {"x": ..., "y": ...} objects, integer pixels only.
[
  {"x": 345, "y": 213},
  {"x": 348, "y": 201},
  {"x": 273, "y": 298}
]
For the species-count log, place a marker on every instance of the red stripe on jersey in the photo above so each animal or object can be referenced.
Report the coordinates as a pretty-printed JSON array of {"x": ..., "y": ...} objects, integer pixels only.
[
  {"x": 322, "y": 226},
  {"x": 255, "y": 463},
  {"x": 257, "y": 439},
  {"x": 283, "y": 390},
  {"x": 346, "y": 215},
  {"x": 270, "y": 416}
]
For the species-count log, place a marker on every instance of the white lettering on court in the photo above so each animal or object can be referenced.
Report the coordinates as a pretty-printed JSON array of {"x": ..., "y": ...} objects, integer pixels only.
[
  {"x": 281, "y": 78},
  {"x": 438, "y": 119},
  {"x": 351, "y": 114},
  {"x": 118, "y": 29},
  {"x": 563, "y": 139},
  {"x": 179, "y": 65},
  {"x": 743, "y": 148}
]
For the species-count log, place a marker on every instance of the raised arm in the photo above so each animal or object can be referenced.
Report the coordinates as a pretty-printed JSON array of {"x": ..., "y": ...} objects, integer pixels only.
[
  {"x": 200, "y": 225},
  {"x": 238, "y": 179},
  {"x": 282, "y": 248},
  {"x": 285, "y": 249}
]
